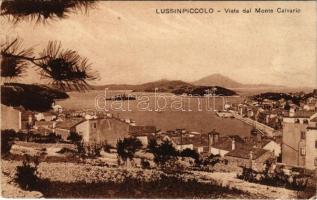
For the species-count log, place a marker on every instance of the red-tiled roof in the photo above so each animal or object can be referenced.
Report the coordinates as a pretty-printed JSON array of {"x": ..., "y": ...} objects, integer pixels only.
[
  {"x": 181, "y": 141},
  {"x": 225, "y": 143},
  {"x": 43, "y": 123},
  {"x": 142, "y": 129},
  {"x": 69, "y": 123},
  {"x": 304, "y": 113}
]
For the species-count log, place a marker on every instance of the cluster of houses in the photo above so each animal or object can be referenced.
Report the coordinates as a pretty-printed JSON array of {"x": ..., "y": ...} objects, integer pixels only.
[
  {"x": 271, "y": 112},
  {"x": 296, "y": 147},
  {"x": 253, "y": 150}
]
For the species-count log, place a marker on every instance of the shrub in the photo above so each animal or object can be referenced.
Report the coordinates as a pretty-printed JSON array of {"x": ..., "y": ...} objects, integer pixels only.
[
  {"x": 7, "y": 137},
  {"x": 74, "y": 137},
  {"x": 165, "y": 154},
  {"x": 145, "y": 164},
  {"x": 275, "y": 178},
  {"x": 127, "y": 147},
  {"x": 80, "y": 148},
  {"x": 189, "y": 153},
  {"x": 107, "y": 147},
  {"x": 152, "y": 145},
  {"x": 26, "y": 175},
  {"x": 93, "y": 150}
]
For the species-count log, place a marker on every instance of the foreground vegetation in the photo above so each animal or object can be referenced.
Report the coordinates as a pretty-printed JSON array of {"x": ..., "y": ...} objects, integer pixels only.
[{"x": 129, "y": 170}]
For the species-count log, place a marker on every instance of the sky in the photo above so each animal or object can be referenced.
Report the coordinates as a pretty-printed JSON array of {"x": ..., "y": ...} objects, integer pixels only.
[{"x": 128, "y": 42}]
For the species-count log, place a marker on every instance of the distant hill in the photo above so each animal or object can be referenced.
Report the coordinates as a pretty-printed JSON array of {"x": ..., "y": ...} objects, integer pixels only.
[
  {"x": 223, "y": 81},
  {"x": 218, "y": 79},
  {"x": 163, "y": 86},
  {"x": 177, "y": 87}
]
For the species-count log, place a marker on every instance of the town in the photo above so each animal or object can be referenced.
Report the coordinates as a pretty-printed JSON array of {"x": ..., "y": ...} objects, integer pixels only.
[{"x": 283, "y": 134}]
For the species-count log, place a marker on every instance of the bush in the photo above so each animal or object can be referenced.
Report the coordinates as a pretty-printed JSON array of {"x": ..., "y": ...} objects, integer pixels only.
[
  {"x": 145, "y": 164},
  {"x": 127, "y": 147},
  {"x": 165, "y": 154},
  {"x": 107, "y": 147},
  {"x": 26, "y": 175},
  {"x": 93, "y": 150},
  {"x": 152, "y": 145},
  {"x": 276, "y": 177},
  {"x": 7, "y": 138},
  {"x": 189, "y": 153},
  {"x": 74, "y": 137},
  {"x": 80, "y": 148}
]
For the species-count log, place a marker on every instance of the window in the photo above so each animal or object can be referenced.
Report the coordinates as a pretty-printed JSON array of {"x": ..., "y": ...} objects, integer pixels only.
[
  {"x": 316, "y": 144},
  {"x": 302, "y": 135},
  {"x": 302, "y": 151},
  {"x": 94, "y": 125},
  {"x": 315, "y": 162}
]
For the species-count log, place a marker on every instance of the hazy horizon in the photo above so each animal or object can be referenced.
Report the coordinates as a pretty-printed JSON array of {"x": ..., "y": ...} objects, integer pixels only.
[{"x": 128, "y": 43}]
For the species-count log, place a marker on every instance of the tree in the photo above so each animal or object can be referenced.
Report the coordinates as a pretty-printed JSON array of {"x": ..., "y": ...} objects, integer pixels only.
[
  {"x": 152, "y": 145},
  {"x": 7, "y": 137},
  {"x": 41, "y": 11},
  {"x": 127, "y": 147},
  {"x": 189, "y": 153},
  {"x": 165, "y": 153},
  {"x": 64, "y": 68},
  {"x": 287, "y": 106},
  {"x": 74, "y": 137},
  {"x": 26, "y": 175}
]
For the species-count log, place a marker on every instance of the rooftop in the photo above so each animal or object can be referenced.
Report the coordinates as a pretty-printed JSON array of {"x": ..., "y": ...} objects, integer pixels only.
[
  {"x": 225, "y": 143},
  {"x": 302, "y": 114},
  {"x": 69, "y": 123},
  {"x": 244, "y": 152},
  {"x": 142, "y": 130},
  {"x": 181, "y": 141}
]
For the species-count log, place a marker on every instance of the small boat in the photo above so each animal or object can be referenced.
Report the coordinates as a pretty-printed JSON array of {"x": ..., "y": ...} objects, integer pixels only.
[{"x": 224, "y": 114}]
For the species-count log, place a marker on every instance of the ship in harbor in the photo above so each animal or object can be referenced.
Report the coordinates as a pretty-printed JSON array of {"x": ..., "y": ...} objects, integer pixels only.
[{"x": 121, "y": 97}]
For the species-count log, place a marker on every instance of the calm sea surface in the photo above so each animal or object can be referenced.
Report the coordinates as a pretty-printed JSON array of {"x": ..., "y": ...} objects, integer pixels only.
[{"x": 165, "y": 111}]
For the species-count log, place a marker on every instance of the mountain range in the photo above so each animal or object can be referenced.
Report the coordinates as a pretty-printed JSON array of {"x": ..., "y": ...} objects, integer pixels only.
[
  {"x": 223, "y": 81},
  {"x": 177, "y": 87},
  {"x": 164, "y": 85}
]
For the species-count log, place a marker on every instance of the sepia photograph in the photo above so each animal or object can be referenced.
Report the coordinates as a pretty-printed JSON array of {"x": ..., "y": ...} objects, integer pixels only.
[{"x": 158, "y": 99}]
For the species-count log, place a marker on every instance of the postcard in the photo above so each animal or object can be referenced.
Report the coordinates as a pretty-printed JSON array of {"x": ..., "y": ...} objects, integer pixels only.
[{"x": 158, "y": 99}]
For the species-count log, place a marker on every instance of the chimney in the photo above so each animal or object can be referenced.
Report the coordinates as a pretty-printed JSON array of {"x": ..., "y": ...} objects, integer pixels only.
[
  {"x": 233, "y": 144},
  {"x": 216, "y": 137},
  {"x": 251, "y": 159},
  {"x": 292, "y": 112},
  {"x": 210, "y": 139},
  {"x": 53, "y": 127},
  {"x": 258, "y": 136}
]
